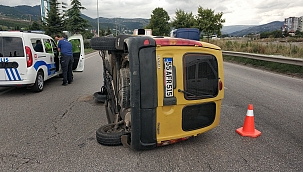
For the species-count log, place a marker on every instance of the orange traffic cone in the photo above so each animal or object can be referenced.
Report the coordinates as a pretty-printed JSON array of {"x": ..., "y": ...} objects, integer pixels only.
[{"x": 248, "y": 128}]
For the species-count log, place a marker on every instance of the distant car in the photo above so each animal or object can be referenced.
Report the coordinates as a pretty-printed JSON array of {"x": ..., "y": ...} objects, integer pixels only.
[
  {"x": 29, "y": 59},
  {"x": 215, "y": 37},
  {"x": 186, "y": 33}
]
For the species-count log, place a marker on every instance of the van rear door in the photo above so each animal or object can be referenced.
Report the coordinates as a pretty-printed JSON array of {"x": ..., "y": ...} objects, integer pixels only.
[
  {"x": 12, "y": 58},
  {"x": 78, "y": 52}
]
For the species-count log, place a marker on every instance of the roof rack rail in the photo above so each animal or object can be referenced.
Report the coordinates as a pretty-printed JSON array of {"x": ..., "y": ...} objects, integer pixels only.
[{"x": 33, "y": 31}]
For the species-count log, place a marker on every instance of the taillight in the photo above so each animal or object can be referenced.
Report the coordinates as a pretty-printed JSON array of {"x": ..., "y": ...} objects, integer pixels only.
[
  {"x": 177, "y": 41},
  {"x": 146, "y": 42},
  {"x": 29, "y": 56},
  {"x": 220, "y": 85}
]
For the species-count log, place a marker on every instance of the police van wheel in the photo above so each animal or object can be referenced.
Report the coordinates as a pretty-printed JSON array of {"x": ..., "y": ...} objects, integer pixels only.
[
  {"x": 109, "y": 136},
  {"x": 39, "y": 84},
  {"x": 103, "y": 43}
]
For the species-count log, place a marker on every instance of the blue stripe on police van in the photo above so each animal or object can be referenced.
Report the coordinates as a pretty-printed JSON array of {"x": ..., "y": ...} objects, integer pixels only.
[
  {"x": 7, "y": 74},
  {"x": 42, "y": 63},
  {"x": 12, "y": 72},
  {"x": 17, "y": 73}
]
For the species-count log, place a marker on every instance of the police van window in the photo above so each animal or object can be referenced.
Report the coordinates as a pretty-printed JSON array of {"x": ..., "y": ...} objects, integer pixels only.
[
  {"x": 47, "y": 46},
  {"x": 54, "y": 46},
  {"x": 11, "y": 47},
  {"x": 37, "y": 44}
]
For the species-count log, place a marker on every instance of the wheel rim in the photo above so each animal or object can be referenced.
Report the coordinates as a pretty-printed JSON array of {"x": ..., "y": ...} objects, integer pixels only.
[
  {"x": 110, "y": 129},
  {"x": 40, "y": 82}
]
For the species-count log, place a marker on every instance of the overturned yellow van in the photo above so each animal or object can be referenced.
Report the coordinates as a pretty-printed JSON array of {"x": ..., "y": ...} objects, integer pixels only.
[{"x": 158, "y": 90}]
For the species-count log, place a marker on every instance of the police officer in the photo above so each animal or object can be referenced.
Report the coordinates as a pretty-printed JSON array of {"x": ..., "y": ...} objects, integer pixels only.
[{"x": 66, "y": 59}]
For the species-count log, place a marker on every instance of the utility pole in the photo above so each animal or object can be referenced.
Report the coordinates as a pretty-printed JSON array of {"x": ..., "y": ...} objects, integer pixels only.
[
  {"x": 116, "y": 29},
  {"x": 98, "y": 17}
]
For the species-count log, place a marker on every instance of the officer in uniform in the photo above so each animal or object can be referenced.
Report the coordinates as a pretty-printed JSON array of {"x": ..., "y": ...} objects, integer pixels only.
[{"x": 65, "y": 48}]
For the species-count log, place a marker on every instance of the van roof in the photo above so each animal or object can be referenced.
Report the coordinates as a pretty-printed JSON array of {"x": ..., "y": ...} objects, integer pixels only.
[{"x": 21, "y": 34}]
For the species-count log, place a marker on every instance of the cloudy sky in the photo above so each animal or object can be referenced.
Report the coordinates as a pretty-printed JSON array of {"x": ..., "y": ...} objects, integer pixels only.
[{"x": 235, "y": 12}]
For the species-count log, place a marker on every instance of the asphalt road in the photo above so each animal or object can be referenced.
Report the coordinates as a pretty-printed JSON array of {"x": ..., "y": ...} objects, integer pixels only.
[{"x": 55, "y": 130}]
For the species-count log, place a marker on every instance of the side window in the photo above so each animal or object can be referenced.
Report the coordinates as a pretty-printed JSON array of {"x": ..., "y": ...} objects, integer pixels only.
[
  {"x": 48, "y": 46},
  {"x": 11, "y": 47},
  {"x": 37, "y": 44},
  {"x": 54, "y": 45}
]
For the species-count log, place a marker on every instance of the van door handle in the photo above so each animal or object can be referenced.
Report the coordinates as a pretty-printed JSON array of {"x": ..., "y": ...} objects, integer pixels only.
[{"x": 41, "y": 56}]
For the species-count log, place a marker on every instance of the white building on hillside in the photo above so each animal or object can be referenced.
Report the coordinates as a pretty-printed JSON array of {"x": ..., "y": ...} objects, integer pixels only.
[
  {"x": 63, "y": 6},
  {"x": 291, "y": 24},
  {"x": 300, "y": 24}
]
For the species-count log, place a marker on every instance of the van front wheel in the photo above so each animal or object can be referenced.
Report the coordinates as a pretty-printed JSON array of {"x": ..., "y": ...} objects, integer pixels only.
[
  {"x": 109, "y": 135},
  {"x": 39, "y": 84}
]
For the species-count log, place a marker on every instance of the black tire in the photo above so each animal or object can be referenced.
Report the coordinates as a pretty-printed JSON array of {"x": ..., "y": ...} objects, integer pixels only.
[
  {"x": 124, "y": 88},
  {"x": 39, "y": 83},
  {"x": 106, "y": 135},
  {"x": 103, "y": 43}
]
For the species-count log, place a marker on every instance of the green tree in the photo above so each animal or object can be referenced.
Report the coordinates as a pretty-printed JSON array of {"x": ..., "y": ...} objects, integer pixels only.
[
  {"x": 108, "y": 32},
  {"x": 159, "y": 22},
  {"x": 298, "y": 33},
  {"x": 87, "y": 34},
  {"x": 17, "y": 27},
  {"x": 277, "y": 34},
  {"x": 35, "y": 26},
  {"x": 101, "y": 32},
  {"x": 285, "y": 33},
  {"x": 183, "y": 20},
  {"x": 208, "y": 22},
  {"x": 74, "y": 22},
  {"x": 53, "y": 23}
]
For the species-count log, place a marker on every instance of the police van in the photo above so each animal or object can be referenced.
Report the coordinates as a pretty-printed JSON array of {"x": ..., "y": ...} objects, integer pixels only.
[{"x": 29, "y": 59}]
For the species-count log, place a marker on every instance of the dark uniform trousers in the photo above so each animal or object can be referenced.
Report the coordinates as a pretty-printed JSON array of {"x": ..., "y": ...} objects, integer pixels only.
[{"x": 66, "y": 65}]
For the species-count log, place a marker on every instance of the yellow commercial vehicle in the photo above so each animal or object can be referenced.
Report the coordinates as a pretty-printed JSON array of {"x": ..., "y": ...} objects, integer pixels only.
[{"x": 158, "y": 90}]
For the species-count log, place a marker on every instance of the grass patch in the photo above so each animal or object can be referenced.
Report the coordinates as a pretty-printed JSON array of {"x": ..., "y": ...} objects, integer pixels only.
[
  {"x": 88, "y": 50},
  {"x": 273, "y": 47},
  {"x": 288, "y": 69},
  {"x": 289, "y": 47}
]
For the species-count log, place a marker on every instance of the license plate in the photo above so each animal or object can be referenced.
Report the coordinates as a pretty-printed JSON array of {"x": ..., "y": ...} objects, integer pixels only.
[{"x": 168, "y": 77}]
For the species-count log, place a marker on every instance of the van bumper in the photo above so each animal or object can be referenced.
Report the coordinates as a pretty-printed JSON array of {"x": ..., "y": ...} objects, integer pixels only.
[{"x": 16, "y": 83}]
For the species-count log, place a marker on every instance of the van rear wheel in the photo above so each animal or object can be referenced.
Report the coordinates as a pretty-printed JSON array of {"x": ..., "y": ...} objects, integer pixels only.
[{"x": 39, "y": 84}]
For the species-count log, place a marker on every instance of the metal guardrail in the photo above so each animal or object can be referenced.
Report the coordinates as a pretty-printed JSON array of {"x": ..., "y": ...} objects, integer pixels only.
[{"x": 271, "y": 58}]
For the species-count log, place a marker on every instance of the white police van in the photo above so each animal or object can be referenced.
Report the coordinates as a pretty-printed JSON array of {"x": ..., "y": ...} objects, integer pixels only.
[{"x": 24, "y": 63}]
